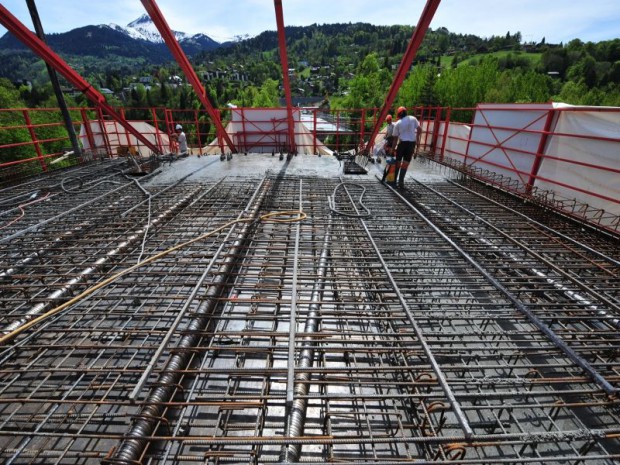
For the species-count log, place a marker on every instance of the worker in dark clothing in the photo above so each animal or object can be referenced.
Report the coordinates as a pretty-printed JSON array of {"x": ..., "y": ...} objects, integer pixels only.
[
  {"x": 407, "y": 131},
  {"x": 389, "y": 136}
]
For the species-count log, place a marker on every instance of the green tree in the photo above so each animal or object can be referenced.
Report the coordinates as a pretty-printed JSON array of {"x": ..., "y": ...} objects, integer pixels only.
[
  {"x": 584, "y": 70},
  {"x": 428, "y": 97},
  {"x": 443, "y": 44},
  {"x": 572, "y": 92},
  {"x": 415, "y": 85},
  {"x": 138, "y": 96},
  {"x": 554, "y": 60},
  {"x": 164, "y": 94},
  {"x": 267, "y": 96},
  {"x": 467, "y": 85},
  {"x": 369, "y": 87},
  {"x": 613, "y": 75},
  {"x": 10, "y": 121},
  {"x": 184, "y": 98},
  {"x": 247, "y": 96}
]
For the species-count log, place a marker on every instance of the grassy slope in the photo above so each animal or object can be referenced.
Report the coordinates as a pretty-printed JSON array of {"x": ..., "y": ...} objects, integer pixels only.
[{"x": 534, "y": 58}]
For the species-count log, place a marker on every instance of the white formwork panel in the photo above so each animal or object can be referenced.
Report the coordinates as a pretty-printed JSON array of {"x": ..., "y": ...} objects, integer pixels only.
[
  {"x": 586, "y": 167},
  {"x": 505, "y": 138}
]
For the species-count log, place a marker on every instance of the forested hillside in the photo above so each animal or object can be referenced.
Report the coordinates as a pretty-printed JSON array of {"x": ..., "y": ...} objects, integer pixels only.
[{"x": 351, "y": 66}]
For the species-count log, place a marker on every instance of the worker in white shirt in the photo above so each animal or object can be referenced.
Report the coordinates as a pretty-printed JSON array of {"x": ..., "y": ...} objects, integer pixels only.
[
  {"x": 407, "y": 131},
  {"x": 181, "y": 140}
]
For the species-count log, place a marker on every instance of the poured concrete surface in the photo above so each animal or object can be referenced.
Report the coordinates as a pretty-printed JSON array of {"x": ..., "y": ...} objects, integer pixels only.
[{"x": 209, "y": 167}]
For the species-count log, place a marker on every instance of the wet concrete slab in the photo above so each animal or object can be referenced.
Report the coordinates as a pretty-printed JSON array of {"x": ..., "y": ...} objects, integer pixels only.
[
  {"x": 210, "y": 167},
  {"x": 420, "y": 169}
]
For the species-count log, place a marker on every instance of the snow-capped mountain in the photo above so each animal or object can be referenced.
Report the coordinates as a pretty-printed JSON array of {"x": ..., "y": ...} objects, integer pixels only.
[
  {"x": 144, "y": 28},
  {"x": 139, "y": 41}
]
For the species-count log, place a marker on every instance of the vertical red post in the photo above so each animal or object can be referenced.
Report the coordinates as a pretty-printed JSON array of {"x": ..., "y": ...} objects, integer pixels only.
[
  {"x": 436, "y": 127},
  {"x": 315, "y": 115},
  {"x": 445, "y": 135},
  {"x": 42, "y": 50},
  {"x": 540, "y": 153},
  {"x": 363, "y": 126},
  {"x": 87, "y": 129},
  {"x": 285, "y": 80},
  {"x": 418, "y": 34},
  {"x": 219, "y": 137},
  {"x": 157, "y": 130},
  {"x": 104, "y": 132},
  {"x": 338, "y": 129},
  {"x": 126, "y": 133},
  {"x": 197, "y": 126},
  {"x": 181, "y": 58},
  {"x": 169, "y": 120},
  {"x": 244, "y": 135},
  {"x": 424, "y": 132},
  {"x": 35, "y": 140},
  {"x": 169, "y": 127},
  {"x": 473, "y": 118}
]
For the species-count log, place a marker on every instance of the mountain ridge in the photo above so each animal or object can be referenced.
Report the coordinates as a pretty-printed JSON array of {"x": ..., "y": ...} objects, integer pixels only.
[
  {"x": 144, "y": 28},
  {"x": 140, "y": 38}
]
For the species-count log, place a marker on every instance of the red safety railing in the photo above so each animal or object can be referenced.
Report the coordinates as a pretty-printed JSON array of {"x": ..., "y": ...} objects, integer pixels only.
[{"x": 562, "y": 157}]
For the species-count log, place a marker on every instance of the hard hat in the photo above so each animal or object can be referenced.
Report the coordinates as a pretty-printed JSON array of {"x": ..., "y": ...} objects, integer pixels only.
[
  {"x": 401, "y": 111},
  {"x": 178, "y": 127},
  {"x": 389, "y": 118}
]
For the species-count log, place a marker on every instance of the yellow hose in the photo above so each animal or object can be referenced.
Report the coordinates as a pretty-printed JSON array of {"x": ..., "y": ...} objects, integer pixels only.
[{"x": 273, "y": 217}]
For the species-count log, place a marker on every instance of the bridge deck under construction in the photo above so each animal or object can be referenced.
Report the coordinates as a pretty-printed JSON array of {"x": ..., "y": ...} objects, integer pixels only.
[{"x": 301, "y": 317}]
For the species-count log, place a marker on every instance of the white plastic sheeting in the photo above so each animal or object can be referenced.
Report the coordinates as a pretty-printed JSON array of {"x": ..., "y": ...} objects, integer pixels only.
[
  {"x": 379, "y": 143},
  {"x": 501, "y": 140},
  {"x": 456, "y": 140},
  {"x": 265, "y": 130},
  {"x": 579, "y": 159},
  {"x": 117, "y": 136},
  {"x": 583, "y": 157}
]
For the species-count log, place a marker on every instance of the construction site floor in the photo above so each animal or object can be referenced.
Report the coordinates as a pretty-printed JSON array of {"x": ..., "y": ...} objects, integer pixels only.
[{"x": 264, "y": 310}]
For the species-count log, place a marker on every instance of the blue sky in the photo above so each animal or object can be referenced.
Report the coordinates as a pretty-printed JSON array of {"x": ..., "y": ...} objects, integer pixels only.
[{"x": 556, "y": 20}]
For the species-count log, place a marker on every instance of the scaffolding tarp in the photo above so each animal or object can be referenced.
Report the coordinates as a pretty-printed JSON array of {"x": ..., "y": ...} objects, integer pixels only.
[
  {"x": 575, "y": 146},
  {"x": 590, "y": 163},
  {"x": 455, "y": 140},
  {"x": 110, "y": 135},
  {"x": 379, "y": 142},
  {"x": 265, "y": 130},
  {"x": 504, "y": 138}
]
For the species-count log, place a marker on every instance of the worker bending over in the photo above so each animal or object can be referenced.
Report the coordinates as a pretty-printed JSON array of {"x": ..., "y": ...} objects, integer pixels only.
[
  {"x": 181, "y": 139},
  {"x": 407, "y": 130}
]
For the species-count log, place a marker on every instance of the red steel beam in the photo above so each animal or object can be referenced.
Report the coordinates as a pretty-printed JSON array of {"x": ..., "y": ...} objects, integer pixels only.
[
  {"x": 42, "y": 50},
  {"x": 414, "y": 44},
  {"x": 540, "y": 153},
  {"x": 285, "y": 80},
  {"x": 158, "y": 18}
]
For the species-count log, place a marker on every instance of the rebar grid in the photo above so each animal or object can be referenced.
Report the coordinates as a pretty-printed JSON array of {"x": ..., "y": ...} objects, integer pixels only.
[
  {"x": 356, "y": 372},
  {"x": 94, "y": 354},
  {"x": 72, "y": 242},
  {"x": 581, "y": 233},
  {"x": 573, "y": 290},
  {"x": 385, "y": 308}
]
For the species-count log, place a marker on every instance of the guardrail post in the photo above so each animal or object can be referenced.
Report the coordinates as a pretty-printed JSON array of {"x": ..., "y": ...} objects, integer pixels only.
[{"x": 35, "y": 141}]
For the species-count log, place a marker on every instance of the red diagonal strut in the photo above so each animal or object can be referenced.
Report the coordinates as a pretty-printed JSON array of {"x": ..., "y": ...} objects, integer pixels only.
[
  {"x": 172, "y": 43},
  {"x": 414, "y": 44},
  {"x": 42, "y": 50},
  {"x": 285, "y": 80}
]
